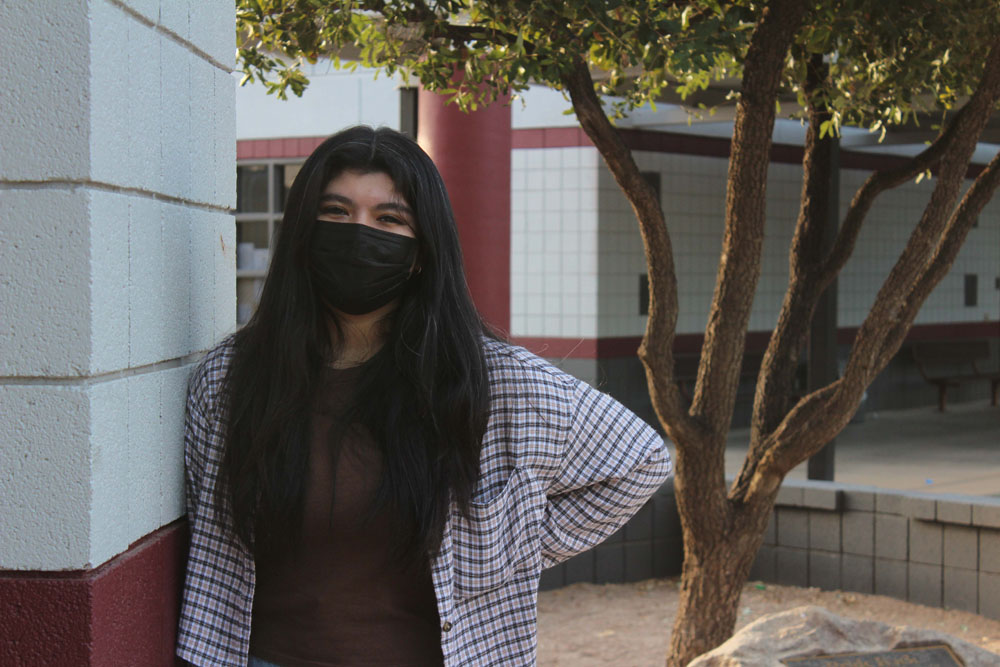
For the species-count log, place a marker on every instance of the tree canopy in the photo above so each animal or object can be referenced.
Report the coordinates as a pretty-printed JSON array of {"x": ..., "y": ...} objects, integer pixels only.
[{"x": 887, "y": 59}]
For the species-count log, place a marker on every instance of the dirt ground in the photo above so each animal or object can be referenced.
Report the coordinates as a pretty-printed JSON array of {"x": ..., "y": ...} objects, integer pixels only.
[{"x": 628, "y": 625}]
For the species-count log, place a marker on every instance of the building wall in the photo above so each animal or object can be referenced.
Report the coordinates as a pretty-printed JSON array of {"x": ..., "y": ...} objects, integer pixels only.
[
  {"x": 553, "y": 222},
  {"x": 117, "y": 260},
  {"x": 554, "y": 242},
  {"x": 335, "y": 99},
  {"x": 577, "y": 265}
]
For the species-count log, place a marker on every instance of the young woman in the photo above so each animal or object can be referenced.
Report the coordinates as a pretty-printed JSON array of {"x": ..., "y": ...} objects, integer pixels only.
[{"x": 373, "y": 478}]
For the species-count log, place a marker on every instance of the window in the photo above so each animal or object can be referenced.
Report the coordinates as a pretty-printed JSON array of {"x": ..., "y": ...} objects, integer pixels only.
[
  {"x": 971, "y": 289},
  {"x": 408, "y": 112},
  {"x": 261, "y": 190}
]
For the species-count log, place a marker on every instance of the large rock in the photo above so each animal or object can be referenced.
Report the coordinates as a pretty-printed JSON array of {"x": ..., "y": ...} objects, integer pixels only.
[{"x": 810, "y": 631}]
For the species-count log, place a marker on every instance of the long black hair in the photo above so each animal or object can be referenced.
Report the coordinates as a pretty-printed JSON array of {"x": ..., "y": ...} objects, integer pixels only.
[{"x": 424, "y": 399}]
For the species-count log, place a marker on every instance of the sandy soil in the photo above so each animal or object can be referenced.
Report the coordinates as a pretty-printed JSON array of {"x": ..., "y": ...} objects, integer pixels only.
[{"x": 590, "y": 625}]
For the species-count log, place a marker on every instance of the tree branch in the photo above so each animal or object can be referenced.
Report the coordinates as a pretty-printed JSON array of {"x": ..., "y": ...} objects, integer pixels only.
[
  {"x": 869, "y": 354},
  {"x": 739, "y": 266},
  {"x": 957, "y": 229},
  {"x": 877, "y": 183},
  {"x": 777, "y": 374},
  {"x": 926, "y": 258},
  {"x": 656, "y": 350}
]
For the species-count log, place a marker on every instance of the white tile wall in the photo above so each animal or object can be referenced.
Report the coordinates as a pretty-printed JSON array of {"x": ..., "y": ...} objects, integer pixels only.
[
  {"x": 553, "y": 242},
  {"x": 885, "y": 233},
  {"x": 556, "y": 233}
]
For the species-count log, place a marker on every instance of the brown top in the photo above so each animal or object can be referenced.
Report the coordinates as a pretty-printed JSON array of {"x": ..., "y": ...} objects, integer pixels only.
[{"x": 343, "y": 599}]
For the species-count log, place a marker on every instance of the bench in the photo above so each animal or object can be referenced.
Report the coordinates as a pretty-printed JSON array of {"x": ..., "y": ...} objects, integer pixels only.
[{"x": 937, "y": 362}]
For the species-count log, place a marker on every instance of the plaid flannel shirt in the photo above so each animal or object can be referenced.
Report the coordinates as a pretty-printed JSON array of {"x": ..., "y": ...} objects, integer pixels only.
[{"x": 563, "y": 467}]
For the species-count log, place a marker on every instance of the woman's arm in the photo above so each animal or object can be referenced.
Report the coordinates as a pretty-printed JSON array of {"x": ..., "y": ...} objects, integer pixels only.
[{"x": 613, "y": 463}]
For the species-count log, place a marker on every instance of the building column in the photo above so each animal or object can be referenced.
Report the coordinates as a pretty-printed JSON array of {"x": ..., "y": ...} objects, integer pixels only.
[
  {"x": 117, "y": 270},
  {"x": 472, "y": 152}
]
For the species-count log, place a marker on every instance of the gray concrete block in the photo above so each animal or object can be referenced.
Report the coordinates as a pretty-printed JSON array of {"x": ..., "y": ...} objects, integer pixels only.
[
  {"x": 793, "y": 527},
  {"x": 891, "y": 577},
  {"x": 858, "y": 498},
  {"x": 954, "y": 510},
  {"x": 961, "y": 547},
  {"x": 989, "y": 550},
  {"x": 764, "y": 566},
  {"x": 925, "y": 584},
  {"x": 609, "y": 564},
  {"x": 667, "y": 488},
  {"x": 961, "y": 589},
  {"x": 989, "y": 595},
  {"x": 666, "y": 521},
  {"x": 824, "y": 570},
  {"x": 821, "y": 495},
  {"x": 771, "y": 532},
  {"x": 789, "y": 495},
  {"x": 889, "y": 501},
  {"x": 920, "y": 506},
  {"x": 554, "y": 577},
  {"x": 616, "y": 537},
  {"x": 986, "y": 512},
  {"x": 668, "y": 557},
  {"x": 891, "y": 536},
  {"x": 638, "y": 561},
  {"x": 824, "y": 530},
  {"x": 858, "y": 533},
  {"x": 640, "y": 526},
  {"x": 793, "y": 566},
  {"x": 857, "y": 573},
  {"x": 926, "y": 542},
  {"x": 580, "y": 568}
]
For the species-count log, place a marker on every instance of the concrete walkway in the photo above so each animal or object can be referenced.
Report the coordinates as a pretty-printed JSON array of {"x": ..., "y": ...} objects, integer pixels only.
[{"x": 919, "y": 449}]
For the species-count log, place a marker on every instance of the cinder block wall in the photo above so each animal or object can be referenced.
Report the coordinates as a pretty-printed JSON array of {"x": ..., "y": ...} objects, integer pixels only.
[
  {"x": 117, "y": 270},
  {"x": 935, "y": 550}
]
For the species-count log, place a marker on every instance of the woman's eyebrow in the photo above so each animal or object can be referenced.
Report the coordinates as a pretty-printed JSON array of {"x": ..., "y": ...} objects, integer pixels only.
[
  {"x": 395, "y": 206},
  {"x": 385, "y": 206}
]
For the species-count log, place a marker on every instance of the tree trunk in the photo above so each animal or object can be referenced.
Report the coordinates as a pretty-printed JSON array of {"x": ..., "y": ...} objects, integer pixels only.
[
  {"x": 713, "y": 577},
  {"x": 721, "y": 537}
]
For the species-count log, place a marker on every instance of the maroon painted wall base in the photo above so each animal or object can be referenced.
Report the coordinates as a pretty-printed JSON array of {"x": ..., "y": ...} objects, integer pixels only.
[{"x": 121, "y": 613}]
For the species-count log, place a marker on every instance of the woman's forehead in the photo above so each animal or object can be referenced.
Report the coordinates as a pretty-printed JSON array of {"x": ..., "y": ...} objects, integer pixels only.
[{"x": 372, "y": 182}]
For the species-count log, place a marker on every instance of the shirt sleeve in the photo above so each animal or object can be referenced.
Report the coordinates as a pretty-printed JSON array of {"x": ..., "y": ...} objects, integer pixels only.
[
  {"x": 197, "y": 433},
  {"x": 613, "y": 463}
]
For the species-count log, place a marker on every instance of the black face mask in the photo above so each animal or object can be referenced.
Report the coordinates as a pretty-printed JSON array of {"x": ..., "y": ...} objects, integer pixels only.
[{"x": 359, "y": 269}]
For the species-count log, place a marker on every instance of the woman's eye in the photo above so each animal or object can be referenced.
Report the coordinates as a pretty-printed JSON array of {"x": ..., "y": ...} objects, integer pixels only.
[
  {"x": 334, "y": 210},
  {"x": 392, "y": 220}
]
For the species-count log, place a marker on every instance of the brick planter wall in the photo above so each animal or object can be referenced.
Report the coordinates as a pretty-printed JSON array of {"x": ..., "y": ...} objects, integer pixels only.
[{"x": 936, "y": 550}]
